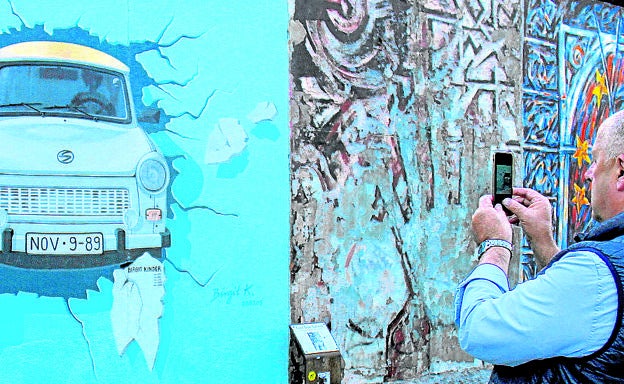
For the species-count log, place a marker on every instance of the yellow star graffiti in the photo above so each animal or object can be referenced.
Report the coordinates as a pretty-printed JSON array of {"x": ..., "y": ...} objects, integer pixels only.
[
  {"x": 579, "y": 199},
  {"x": 601, "y": 88},
  {"x": 581, "y": 154}
]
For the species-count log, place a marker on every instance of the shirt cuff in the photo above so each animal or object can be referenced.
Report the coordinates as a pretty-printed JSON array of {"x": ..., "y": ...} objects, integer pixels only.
[{"x": 485, "y": 271}]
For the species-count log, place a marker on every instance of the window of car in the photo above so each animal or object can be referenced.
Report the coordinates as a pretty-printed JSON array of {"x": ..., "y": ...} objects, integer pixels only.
[{"x": 63, "y": 90}]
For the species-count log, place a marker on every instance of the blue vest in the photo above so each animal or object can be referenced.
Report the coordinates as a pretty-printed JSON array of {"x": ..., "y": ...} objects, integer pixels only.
[{"x": 605, "y": 365}]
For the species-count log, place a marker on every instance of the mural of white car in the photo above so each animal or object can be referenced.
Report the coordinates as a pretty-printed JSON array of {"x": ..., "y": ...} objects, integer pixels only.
[{"x": 81, "y": 184}]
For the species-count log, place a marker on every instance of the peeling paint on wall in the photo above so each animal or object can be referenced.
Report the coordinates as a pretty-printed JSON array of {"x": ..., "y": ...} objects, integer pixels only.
[{"x": 396, "y": 109}]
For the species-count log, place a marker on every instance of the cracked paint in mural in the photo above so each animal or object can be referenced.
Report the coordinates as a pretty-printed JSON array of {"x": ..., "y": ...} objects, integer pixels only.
[{"x": 349, "y": 173}]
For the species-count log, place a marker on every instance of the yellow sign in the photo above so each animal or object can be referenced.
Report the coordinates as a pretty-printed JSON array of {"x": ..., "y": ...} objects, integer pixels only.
[{"x": 311, "y": 375}]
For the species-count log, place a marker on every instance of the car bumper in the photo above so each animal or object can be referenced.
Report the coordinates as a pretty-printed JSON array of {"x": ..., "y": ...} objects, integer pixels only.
[{"x": 128, "y": 248}]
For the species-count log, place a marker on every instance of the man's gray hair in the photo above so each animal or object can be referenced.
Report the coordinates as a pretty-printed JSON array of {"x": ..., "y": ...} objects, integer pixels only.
[{"x": 614, "y": 135}]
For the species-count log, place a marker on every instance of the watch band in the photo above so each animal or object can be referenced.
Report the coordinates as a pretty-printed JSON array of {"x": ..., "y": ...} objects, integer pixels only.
[{"x": 491, "y": 243}]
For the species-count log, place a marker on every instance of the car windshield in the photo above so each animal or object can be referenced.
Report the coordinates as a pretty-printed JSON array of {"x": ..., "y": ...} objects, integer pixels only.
[{"x": 62, "y": 90}]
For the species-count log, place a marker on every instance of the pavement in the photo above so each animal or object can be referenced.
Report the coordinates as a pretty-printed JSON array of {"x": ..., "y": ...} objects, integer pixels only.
[{"x": 469, "y": 376}]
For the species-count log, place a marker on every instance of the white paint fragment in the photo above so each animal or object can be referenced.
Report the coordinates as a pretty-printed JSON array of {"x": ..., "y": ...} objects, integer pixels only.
[
  {"x": 225, "y": 141},
  {"x": 137, "y": 305},
  {"x": 311, "y": 87},
  {"x": 263, "y": 111}
]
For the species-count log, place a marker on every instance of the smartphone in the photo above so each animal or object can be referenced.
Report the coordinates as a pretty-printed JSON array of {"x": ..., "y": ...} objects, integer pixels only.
[{"x": 502, "y": 179}]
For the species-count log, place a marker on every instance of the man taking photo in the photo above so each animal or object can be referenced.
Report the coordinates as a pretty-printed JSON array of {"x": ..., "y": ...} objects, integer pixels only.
[{"x": 564, "y": 326}]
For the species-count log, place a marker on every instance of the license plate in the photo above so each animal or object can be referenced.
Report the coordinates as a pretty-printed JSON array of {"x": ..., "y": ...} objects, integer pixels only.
[{"x": 64, "y": 243}]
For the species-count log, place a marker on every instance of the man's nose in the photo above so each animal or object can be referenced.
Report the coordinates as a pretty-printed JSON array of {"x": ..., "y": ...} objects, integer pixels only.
[{"x": 589, "y": 174}]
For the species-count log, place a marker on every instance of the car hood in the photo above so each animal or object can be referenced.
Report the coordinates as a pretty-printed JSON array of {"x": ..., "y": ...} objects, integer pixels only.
[{"x": 62, "y": 146}]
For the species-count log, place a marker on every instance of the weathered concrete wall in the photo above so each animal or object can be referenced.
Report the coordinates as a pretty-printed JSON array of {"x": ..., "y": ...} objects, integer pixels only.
[{"x": 396, "y": 108}]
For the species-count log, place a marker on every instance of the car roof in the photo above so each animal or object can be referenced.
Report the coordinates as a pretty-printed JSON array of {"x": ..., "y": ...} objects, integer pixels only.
[{"x": 59, "y": 51}]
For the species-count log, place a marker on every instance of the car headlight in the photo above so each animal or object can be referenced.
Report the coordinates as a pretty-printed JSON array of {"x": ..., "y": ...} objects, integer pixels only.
[{"x": 153, "y": 175}]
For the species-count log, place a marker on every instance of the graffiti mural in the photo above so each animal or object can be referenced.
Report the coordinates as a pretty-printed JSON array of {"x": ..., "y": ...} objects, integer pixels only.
[
  {"x": 573, "y": 81},
  {"x": 396, "y": 109}
]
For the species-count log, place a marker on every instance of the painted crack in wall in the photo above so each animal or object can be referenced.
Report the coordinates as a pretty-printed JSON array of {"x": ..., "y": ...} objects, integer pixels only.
[
  {"x": 223, "y": 130},
  {"x": 143, "y": 291}
]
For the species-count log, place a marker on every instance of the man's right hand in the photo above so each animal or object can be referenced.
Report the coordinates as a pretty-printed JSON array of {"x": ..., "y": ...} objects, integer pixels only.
[{"x": 533, "y": 212}]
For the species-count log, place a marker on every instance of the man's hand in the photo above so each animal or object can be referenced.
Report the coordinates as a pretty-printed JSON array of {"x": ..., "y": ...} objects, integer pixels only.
[
  {"x": 489, "y": 222},
  {"x": 533, "y": 212}
]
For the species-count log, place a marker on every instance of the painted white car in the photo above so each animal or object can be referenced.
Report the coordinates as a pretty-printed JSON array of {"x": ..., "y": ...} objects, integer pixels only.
[{"x": 81, "y": 184}]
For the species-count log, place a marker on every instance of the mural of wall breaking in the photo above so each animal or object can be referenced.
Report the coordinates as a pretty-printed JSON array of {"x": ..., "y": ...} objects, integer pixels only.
[
  {"x": 396, "y": 109},
  {"x": 217, "y": 294}
]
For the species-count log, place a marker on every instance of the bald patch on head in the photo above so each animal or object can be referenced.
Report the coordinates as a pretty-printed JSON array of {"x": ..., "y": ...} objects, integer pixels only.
[{"x": 610, "y": 136}]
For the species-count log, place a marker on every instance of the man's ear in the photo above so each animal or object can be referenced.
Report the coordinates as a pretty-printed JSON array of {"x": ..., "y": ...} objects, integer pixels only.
[{"x": 620, "y": 168}]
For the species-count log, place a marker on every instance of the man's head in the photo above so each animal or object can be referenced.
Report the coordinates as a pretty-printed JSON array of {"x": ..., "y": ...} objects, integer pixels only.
[
  {"x": 92, "y": 79},
  {"x": 606, "y": 172}
]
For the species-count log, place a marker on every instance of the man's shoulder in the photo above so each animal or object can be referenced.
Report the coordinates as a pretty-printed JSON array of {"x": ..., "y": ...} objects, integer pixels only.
[
  {"x": 585, "y": 253},
  {"x": 581, "y": 257}
]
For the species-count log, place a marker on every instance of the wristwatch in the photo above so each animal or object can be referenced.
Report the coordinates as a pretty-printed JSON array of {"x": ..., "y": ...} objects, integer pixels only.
[{"x": 490, "y": 243}]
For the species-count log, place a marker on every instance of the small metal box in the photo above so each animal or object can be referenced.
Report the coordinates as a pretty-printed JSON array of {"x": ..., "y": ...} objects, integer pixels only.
[{"x": 314, "y": 355}]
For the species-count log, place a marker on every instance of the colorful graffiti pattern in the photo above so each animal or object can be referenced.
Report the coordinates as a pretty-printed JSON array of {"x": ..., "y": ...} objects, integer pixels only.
[{"x": 561, "y": 115}]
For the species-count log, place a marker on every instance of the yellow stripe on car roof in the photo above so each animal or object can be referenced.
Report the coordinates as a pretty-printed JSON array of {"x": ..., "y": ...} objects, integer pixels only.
[{"x": 51, "y": 50}]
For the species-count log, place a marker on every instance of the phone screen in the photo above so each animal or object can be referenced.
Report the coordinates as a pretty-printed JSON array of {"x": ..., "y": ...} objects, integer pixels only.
[{"x": 503, "y": 176}]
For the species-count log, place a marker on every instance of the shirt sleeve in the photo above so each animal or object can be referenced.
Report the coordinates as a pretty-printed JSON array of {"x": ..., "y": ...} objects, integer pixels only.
[{"x": 570, "y": 310}]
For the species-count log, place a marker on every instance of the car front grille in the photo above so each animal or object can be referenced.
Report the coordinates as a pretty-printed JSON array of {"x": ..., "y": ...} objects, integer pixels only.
[{"x": 64, "y": 201}]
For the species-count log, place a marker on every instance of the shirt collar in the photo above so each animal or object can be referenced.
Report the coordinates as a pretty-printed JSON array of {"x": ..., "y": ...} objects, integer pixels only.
[{"x": 605, "y": 230}]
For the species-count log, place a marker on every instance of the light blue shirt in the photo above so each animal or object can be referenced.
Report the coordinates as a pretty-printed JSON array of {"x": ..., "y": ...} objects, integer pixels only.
[{"x": 570, "y": 310}]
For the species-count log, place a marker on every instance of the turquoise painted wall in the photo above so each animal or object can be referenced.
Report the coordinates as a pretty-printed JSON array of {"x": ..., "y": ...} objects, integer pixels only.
[{"x": 218, "y": 72}]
